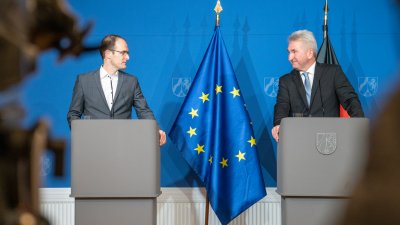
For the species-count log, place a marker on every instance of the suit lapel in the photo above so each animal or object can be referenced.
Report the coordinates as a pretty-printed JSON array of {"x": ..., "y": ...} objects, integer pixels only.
[
  {"x": 300, "y": 86},
  {"x": 121, "y": 77},
  {"x": 99, "y": 87},
  {"x": 315, "y": 86}
]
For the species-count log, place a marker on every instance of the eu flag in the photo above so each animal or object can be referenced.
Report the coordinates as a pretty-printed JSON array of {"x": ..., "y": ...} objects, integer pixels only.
[{"x": 215, "y": 136}]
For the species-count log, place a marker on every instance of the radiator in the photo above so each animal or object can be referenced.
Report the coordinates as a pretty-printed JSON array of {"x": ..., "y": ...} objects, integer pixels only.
[{"x": 175, "y": 206}]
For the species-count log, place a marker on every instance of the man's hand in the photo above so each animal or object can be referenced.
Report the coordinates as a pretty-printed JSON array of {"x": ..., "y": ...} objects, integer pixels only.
[
  {"x": 275, "y": 133},
  {"x": 163, "y": 137}
]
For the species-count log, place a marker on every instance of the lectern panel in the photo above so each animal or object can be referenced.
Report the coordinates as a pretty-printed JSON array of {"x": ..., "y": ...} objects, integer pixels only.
[
  {"x": 116, "y": 211},
  {"x": 115, "y": 158},
  {"x": 319, "y": 162},
  {"x": 321, "y": 156}
]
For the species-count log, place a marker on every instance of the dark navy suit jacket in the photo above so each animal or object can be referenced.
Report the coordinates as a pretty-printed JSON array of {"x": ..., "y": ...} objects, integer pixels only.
[{"x": 330, "y": 89}]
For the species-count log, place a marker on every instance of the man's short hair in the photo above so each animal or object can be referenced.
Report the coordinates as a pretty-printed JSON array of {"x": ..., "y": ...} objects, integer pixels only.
[{"x": 108, "y": 43}]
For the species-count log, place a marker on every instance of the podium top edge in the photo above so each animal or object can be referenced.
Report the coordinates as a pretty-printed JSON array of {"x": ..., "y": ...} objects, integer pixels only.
[
  {"x": 325, "y": 119},
  {"x": 145, "y": 121}
]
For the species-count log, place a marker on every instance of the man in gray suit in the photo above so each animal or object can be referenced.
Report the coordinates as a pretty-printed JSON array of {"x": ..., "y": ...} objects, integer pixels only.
[
  {"x": 312, "y": 89},
  {"x": 110, "y": 93}
]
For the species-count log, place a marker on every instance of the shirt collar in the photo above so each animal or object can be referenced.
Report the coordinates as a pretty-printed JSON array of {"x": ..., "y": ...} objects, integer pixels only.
[
  {"x": 103, "y": 73},
  {"x": 311, "y": 70}
]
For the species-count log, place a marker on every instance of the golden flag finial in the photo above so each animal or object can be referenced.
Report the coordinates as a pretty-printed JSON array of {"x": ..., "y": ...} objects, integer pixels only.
[{"x": 218, "y": 10}]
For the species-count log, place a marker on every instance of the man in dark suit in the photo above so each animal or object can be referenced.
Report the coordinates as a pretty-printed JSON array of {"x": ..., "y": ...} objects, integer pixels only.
[
  {"x": 312, "y": 89},
  {"x": 110, "y": 93}
]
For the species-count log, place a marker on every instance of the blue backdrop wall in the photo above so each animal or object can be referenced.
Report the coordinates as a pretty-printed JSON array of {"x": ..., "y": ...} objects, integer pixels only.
[{"x": 167, "y": 40}]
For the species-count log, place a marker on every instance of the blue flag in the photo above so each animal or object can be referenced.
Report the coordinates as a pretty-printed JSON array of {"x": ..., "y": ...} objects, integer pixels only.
[{"x": 215, "y": 136}]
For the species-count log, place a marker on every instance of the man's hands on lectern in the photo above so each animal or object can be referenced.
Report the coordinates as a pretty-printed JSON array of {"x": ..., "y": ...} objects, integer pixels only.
[
  {"x": 275, "y": 132},
  {"x": 163, "y": 137}
]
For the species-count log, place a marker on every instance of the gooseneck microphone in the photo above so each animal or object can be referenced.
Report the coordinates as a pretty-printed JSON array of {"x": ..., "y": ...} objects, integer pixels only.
[{"x": 305, "y": 113}]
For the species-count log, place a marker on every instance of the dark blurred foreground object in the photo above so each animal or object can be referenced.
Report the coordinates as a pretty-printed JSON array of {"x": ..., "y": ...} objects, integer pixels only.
[
  {"x": 20, "y": 171},
  {"x": 376, "y": 200},
  {"x": 27, "y": 28}
]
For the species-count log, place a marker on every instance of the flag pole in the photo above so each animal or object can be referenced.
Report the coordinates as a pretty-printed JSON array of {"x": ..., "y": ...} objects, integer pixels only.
[
  {"x": 207, "y": 210},
  {"x": 325, "y": 27},
  {"x": 218, "y": 10}
]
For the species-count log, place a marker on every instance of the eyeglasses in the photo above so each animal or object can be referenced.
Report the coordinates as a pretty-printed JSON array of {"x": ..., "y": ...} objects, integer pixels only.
[{"x": 120, "y": 52}]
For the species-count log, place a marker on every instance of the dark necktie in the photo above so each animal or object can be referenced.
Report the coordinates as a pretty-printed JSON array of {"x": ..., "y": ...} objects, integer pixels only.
[{"x": 112, "y": 91}]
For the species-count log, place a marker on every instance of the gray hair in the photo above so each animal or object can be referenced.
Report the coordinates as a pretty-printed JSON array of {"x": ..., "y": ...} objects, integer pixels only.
[{"x": 307, "y": 37}]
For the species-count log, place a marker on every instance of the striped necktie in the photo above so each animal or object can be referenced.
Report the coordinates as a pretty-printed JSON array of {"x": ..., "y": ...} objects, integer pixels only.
[{"x": 307, "y": 86}]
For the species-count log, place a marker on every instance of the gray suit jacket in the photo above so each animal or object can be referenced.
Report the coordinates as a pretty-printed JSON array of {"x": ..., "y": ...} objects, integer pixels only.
[
  {"x": 88, "y": 99},
  {"x": 330, "y": 89}
]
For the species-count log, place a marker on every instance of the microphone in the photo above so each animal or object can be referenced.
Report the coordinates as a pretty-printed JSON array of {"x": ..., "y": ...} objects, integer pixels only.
[
  {"x": 112, "y": 112},
  {"x": 320, "y": 96},
  {"x": 305, "y": 113}
]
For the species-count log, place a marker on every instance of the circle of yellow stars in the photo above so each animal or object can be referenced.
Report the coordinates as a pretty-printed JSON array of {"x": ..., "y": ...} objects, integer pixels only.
[{"x": 192, "y": 131}]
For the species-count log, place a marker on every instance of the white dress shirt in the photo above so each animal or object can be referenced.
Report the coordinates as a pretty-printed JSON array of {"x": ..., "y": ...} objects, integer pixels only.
[
  {"x": 108, "y": 89},
  {"x": 311, "y": 72}
]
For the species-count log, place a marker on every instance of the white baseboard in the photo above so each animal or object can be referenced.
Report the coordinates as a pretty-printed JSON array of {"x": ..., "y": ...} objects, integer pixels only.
[{"x": 186, "y": 203}]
